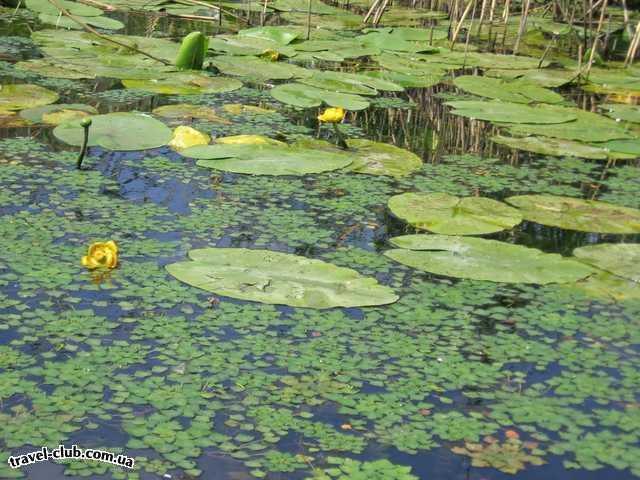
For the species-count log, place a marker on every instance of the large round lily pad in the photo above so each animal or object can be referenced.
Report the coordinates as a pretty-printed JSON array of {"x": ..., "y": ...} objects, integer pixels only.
[
  {"x": 279, "y": 278},
  {"x": 451, "y": 215},
  {"x": 577, "y": 214},
  {"x": 586, "y": 127},
  {"x": 553, "y": 146},
  {"x": 117, "y": 131},
  {"x": 19, "y": 96},
  {"x": 506, "y": 112},
  {"x": 622, "y": 259},
  {"x": 481, "y": 259},
  {"x": 617, "y": 111},
  {"x": 376, "y": 158},
  {"x": 307, "y": 96},
  {"x": 258, "y": 68},
  {"x": 185, "y": 83},
  {"x": 517, "y": 91},
  {"x": 270, "y": 158}
]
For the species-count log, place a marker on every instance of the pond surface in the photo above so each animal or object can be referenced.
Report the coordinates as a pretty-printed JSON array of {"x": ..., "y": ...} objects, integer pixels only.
[{"x": 458, "y": 379}]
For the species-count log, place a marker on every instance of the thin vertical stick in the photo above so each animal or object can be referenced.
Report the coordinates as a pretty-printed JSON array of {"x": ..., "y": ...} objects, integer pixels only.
[
  {"x": 308, "y": 19},
  {"x": 523, "y": 26},
  {"x": 633, "y": 47},
  {"x": 462, "y": 19},
  {"x": 594, "y": 46}
]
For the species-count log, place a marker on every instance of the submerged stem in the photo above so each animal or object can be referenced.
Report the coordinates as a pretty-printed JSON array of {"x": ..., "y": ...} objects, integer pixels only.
[
  {"x": 85, "y": 124},
  {"x": 342, "y": 143}
]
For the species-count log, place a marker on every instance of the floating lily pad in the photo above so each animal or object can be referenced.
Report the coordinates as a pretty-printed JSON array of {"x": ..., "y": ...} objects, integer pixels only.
[
  {"x": 577, "y": 214},
  {"x": 117, "y": 131},
  {"x": 622, "y": 259},
  {"x": 553, "y": 146},
  {"x": 585, "y": 127},
  {"x": 481, "y": 259},
  {"x": 451, "y": 215},
  {"x": 545, "y": 77},
  {"x": 187, "y": 111},
  {"x": 270, "y": 159},
  {"x": 258, "y": 68},
  {"x": 20, "y": 96},
  {"x": 75, "y": 8},
  {"x": 61, "y": 21},
  {"x": 185, "y": 83},
  {"x": 349, "y": 83},
  {"x": 627, "y": 113},
  {"x": 279, "y": 278},
  {"x": 517, "y": 91},
  {"x": 625, "y": 149},
  {"x": 607, "y": 286},
  {"x": 406, "y": 80},
  {"x": 377, "y": 158},
  {"x": 506, "y": 112},
  {"x": 58, "y": 113},
  {"x": 306, "y": 96}
]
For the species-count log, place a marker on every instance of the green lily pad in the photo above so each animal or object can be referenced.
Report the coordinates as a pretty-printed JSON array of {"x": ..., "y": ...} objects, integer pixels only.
[
  {"x": 622, "y": 259},
  {"x": 20, "y": 96},
  {"x": 117, "y": 131},
  {"x": 273, "y": 158},
  {"x": 258, "y": 68},
  {"x": 481, "y": 259},
  {"x": 306, "y": 96},
  {"x": 336, "y": 82},
  {"x": 544, "y": 77},
  {"x": 280, "y": 34},
  {"x": 65, "y": 22},
  {"x": 626, "y": 149},
  {"x": 58, "y": 113},
  {"x": 517, "y": 91},
  {"x": 577, "y": 214},
  {"x": 187, "y": 111},
  {"x": 246, "y": 45},
  {"x": 553, "y": 146},
  {"x": 451, "y": 215},
  {"x": 279, "y": 278},
  {"x": 184, "y": 83},
  {"x": 75, "y": 8},
  {"x": 607, "y": 286},
  {"x": 506, "y": 112},
  {"x": 406, "y": 80},
  {"x": 617, "y": 111},
  {"x": 375, "y": 158},
  {"x": 585, "y": 127}
]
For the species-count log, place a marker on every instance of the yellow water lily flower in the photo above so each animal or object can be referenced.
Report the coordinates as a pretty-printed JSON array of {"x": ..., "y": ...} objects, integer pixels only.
[
  {"x": 185, "y": 137},
  {"x": 271, "y": 55},
  {"x": 332, "y": 115},
  {"x": 101, "y": 255}
]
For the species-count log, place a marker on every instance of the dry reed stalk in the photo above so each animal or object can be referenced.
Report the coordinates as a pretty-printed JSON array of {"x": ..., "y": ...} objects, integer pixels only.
[
  {"x": 523, "y": 26},
  {"x": 380, "y": 12},
  {"x": 633, "y": 47},
  {"x": 594, "y": 46},
  {"x": 462, "y": 19}
]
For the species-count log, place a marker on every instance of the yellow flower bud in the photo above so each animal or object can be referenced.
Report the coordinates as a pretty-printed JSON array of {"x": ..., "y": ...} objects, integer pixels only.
[
  {"x": 101, "y": 255},
  {"x": 332, "y": 115}
]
